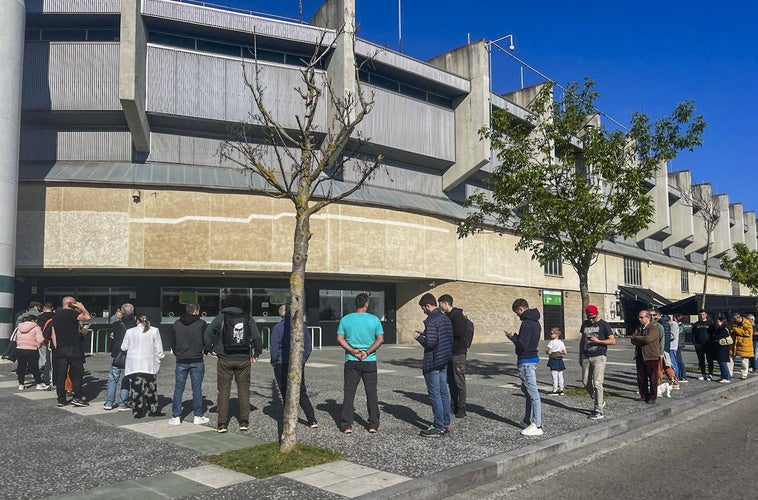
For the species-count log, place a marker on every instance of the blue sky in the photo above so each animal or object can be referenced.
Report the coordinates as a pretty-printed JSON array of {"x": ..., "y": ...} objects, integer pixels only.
[{"x": 643, "y": 55}]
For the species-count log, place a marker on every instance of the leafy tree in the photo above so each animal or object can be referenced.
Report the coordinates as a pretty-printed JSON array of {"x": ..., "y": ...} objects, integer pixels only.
[
  {"x": 305, "y": 166},
  {"x": 744, "y": 268},
  {"x": 564, "y": 184}
]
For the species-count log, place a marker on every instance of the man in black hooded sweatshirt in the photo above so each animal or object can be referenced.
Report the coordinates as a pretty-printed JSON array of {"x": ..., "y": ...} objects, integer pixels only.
[{"x": 186, "y": 340}]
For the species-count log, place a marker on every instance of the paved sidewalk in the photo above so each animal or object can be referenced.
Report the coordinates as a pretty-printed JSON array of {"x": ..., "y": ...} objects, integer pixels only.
[{"x": 92, "y": 453}]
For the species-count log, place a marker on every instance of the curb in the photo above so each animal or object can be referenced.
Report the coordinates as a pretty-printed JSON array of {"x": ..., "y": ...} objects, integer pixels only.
[{"x": 457, "y": 479}]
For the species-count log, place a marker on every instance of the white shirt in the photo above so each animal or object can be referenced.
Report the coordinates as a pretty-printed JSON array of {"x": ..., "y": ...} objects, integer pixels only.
[
  {"x": 556, "y": 345},
  {"x": 144, "y": 350},
  {"x": 674, "y": 336}
]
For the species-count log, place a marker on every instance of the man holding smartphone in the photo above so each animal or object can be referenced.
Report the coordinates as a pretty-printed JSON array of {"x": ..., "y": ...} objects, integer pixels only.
[{"x": 66, "y": 338}]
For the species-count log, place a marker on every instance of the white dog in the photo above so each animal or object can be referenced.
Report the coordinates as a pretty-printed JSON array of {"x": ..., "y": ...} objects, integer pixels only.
[{"x": 664, "y": 389}]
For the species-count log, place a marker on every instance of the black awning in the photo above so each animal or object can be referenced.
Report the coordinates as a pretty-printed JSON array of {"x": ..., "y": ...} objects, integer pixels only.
[
  {"x": 646, "y": 295},
  {"x": 713, "y": 304}
]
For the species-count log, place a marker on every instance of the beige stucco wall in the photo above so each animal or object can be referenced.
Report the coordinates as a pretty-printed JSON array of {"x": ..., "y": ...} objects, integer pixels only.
[{"x": 83, "y": 227}]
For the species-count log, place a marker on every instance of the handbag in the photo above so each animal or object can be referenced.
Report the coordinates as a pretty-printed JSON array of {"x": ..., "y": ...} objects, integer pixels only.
[
  {"x": 11, "y": 348},
  {"x": 726, "y": 341},
  {"x": 120, "y": 360}
]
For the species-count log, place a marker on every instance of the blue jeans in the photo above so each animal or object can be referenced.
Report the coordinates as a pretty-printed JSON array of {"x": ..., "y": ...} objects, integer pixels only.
[
  {"x": 674, "y": 363},
  {"x": 528, "y": 374},
  {"x": 114, "y": 375},
  {"x": 196, "y": 372},
  {"x": 725, "y": 374},
  {"x": 436, "y": 386}
]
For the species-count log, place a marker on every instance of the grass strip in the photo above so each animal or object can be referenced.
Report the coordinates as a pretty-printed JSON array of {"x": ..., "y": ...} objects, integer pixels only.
[{"x": 266, "y": 460}]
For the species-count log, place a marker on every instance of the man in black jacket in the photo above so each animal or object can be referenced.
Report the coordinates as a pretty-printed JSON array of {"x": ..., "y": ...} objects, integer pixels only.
[
  {"x": 701, "y": 339},
  {"x": 186, "y": 340},
  {"x": 118, "y": 330},
  {"x": 456, "y": 368}
]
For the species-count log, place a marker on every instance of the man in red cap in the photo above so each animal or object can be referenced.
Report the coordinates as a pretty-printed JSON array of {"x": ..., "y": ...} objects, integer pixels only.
[{"x": 593, "y": 347}]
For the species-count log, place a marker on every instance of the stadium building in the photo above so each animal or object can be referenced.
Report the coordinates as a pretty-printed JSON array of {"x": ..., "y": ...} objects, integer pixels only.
[{"x": 111, "y": 122}]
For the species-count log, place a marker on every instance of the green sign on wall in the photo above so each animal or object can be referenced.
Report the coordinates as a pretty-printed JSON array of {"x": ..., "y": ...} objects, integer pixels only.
[{"x": 551, "y": 297}]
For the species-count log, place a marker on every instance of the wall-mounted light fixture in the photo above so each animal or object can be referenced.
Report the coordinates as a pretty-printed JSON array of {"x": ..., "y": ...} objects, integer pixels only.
[{"x": 136, "y": 196}]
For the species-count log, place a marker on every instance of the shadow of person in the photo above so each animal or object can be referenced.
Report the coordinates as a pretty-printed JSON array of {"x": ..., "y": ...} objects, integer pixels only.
[
  {"x": 405, "y": 414},
  {"x": 485, "y": 413},
  {"x": 556, "y": 404},
  {"x": 333, "y": 408}
]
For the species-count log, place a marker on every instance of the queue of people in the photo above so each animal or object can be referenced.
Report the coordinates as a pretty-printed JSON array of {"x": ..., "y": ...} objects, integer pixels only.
[{"x": 233, "y": 337}]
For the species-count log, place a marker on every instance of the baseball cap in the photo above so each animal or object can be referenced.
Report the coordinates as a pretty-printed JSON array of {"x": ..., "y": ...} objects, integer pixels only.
[{"x": 591, "y": 310}]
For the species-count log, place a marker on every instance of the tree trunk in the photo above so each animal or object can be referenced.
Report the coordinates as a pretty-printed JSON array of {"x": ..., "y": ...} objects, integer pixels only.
[
  {"x": 584, "y": 289},
  {"x": 288, "y": 440},
  {"x": 707, "y": 266}
]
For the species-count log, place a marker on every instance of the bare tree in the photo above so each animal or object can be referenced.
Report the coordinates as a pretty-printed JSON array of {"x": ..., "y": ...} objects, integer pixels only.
[
  {"x": 707, "y": 209},
  {"x": 304, "y": 165}
]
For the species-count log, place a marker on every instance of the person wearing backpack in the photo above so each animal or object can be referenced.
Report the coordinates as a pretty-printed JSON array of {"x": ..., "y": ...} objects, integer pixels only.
[
  {"x": 235, "y": 339},
  {"x": 463, "y": 334}
]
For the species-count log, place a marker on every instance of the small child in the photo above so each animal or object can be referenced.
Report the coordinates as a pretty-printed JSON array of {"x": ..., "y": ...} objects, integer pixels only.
[{"x": 556, "y": 349}]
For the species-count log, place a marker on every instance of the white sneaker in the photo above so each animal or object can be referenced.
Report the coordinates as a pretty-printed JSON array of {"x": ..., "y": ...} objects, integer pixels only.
[
  {"x": 21, "y": 387},
  {"x": 532, "y": 430},
  {"x": 725, "y": 381},
  {"x": 201, "y": 420},
  {"x": 175, "y": 421},
  {"x": 42, "y": 387}
]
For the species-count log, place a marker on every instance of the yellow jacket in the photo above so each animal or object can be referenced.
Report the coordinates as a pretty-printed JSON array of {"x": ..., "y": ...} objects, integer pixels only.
[{"x": 742, "y": 333}]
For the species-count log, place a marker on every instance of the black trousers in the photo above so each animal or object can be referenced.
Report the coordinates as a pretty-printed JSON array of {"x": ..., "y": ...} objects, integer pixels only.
[
  {"x": 456, "y": 381},
  {"x": 64, "y": 358},
  {"x": 28, "y": 362},
  {"x": 704, "y": 352},
  {"x": 355, "y": 371},
  {"x": 280, "y": 373}
]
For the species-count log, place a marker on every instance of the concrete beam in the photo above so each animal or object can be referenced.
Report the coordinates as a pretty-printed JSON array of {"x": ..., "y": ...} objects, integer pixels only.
[
  {"x": 472, "y": 112},
  {"x": 132, "y": 91}
]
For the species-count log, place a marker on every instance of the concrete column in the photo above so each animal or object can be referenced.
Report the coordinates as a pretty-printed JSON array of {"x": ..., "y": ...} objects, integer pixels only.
[
  {"x": 660, "y": 227},
  {"x": 472, "y": 112},
  {"x": 132, "y": 75},
  {"x": 13, "y": 14},
  {"x": 682, "y": 221},
  {"x": 750, "y": 230},
  {"x": 339, "y": 15},
  {"x": 699, "y": 240},
  {"x": 736, "y": 230},
  {"x": 722, "y": 241}
]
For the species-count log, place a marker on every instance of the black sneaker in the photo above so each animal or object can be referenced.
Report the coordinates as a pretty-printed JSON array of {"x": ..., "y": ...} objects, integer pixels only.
[
  {"x": 220, "y": 429},
  {"x": 244, "y": 426},
  {"x": 79, "y": 402},
  {"x": 61, "y": 404},
  {"x": 431, "y": 432},
  {"x": 313, "y": 424},
  {"x": 460, "y": 414}
]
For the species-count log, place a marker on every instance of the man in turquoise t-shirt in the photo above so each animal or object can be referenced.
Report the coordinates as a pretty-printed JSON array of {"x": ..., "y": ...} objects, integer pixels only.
[{"x": 360, "y": 334}]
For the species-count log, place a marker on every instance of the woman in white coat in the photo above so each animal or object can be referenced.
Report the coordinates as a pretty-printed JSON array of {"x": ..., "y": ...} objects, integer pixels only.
[{"x": 144, "y": 350}]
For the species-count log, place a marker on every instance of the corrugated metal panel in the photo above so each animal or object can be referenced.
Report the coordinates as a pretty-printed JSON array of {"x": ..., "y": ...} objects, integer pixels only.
[
  {"x": 73, "y": 6},
  {"x": 207, "y": 16},
  {"x": 402, "y": 178},
  {"x": 410, "y": 125},
  {"x": 71, "y": 76},
  {"x": 413, "y": 66},
  {"x": 71, "y": 145},
  {"x": 183, "y": 83}
]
